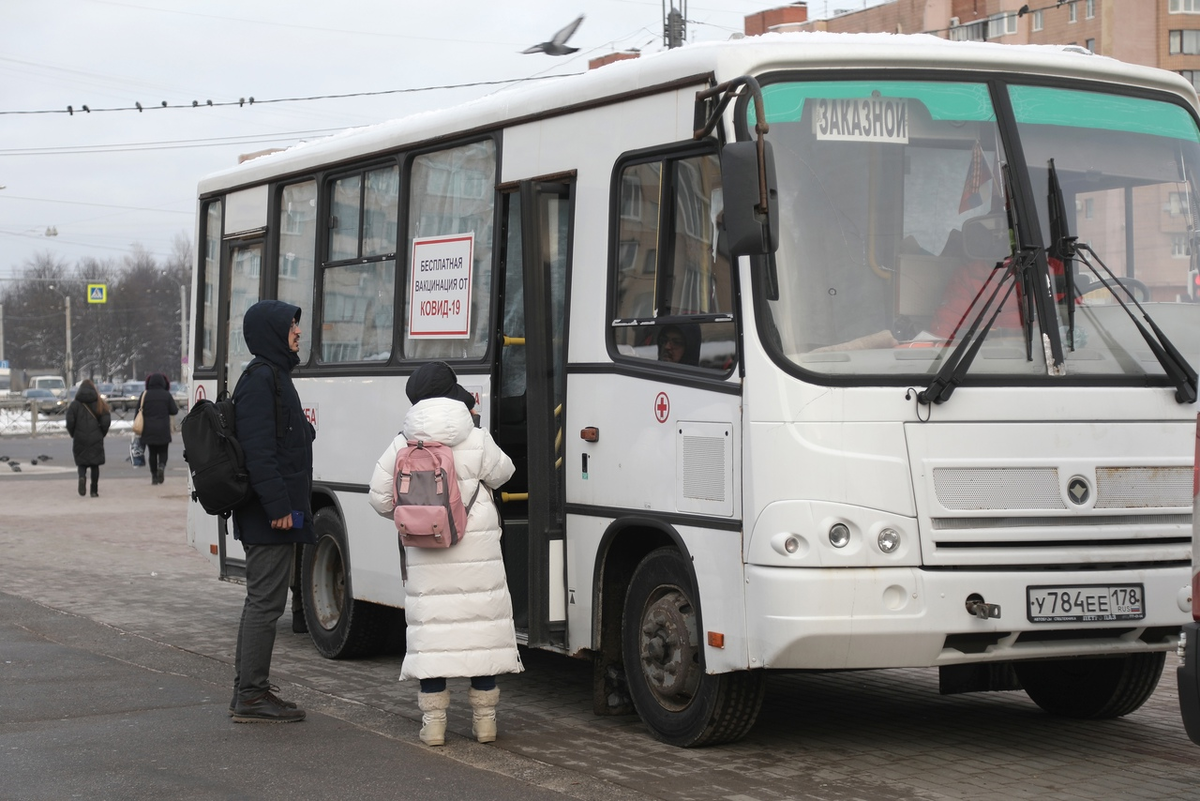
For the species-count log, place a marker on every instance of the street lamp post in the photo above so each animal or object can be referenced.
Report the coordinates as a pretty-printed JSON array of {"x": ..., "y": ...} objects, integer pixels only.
[{"x": 70, "y": 360}]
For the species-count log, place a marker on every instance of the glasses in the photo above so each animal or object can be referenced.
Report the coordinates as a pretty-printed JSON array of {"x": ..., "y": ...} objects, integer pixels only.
[{"x": 672, "y": 342}]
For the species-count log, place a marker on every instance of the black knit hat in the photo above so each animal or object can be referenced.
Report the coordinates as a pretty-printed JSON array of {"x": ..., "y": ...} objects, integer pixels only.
[{"x": 437, "y": 380}]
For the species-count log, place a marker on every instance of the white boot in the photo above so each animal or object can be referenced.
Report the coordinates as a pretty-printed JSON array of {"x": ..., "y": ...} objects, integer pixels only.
[
  {"x": 433, "y": 716},
  {"x": 483, "y": 713}
]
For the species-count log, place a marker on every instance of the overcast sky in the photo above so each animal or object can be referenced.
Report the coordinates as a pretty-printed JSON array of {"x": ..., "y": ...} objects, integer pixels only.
[{"x": 102, "y": 181}]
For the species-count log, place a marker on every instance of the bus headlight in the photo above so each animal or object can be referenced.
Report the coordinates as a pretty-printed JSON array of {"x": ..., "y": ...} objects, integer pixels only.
[
  {"x": 889, "y": 540},
  {"x": 839, "y": 535}
]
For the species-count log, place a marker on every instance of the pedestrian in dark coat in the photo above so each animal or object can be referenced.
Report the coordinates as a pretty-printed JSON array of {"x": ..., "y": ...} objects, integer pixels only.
[
  {"x": 88, "y": 419},
  {"x": 277, "y": 439},
  {"x": 158, "y": 407}
]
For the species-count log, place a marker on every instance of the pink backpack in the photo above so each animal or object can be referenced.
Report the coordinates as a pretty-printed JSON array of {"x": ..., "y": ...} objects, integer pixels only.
[{"x": 428, "y": 508}]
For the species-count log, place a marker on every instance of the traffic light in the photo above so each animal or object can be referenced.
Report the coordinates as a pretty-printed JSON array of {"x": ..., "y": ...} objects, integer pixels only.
[{"x": 1193, "y": 286}]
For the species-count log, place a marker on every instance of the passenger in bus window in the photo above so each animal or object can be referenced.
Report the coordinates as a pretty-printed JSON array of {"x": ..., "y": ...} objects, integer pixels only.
[
  {"x": 457, "y": 605},
  {"x": 277, "y": 439},
  {"x": 679, "y": 344}
]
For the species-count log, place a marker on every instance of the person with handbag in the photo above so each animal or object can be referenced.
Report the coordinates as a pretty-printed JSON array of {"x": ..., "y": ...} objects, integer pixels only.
[
  {"x": 155, "y": 410},
  {"x": 88, "y": 419}
]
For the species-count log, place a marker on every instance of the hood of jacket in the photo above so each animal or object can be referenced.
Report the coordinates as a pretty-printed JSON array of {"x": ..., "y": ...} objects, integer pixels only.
[
  {"x": 266, "y": 327},
  {"x": 443, "y": 420},
  {"x": 158, "y": 381}
]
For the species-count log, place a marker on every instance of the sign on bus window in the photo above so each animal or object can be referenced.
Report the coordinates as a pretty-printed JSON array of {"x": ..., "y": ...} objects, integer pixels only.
[{"x": 440, "y": 294}]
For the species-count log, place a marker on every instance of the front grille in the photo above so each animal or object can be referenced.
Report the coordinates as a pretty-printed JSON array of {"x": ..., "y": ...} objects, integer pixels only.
[
  {"x": 979, "y": 488},
  {"x": 1041, "y": 516}
]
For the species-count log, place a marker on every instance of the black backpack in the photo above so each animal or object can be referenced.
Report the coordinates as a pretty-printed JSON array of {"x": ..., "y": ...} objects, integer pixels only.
[{"x": 215, "y": 458}]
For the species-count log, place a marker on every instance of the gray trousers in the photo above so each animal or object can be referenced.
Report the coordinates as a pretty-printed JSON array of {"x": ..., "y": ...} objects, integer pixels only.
[{"x": 268, "y": 574}]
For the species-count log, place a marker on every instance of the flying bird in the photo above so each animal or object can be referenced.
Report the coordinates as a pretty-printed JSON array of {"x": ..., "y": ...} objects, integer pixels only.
[{"x": 557, "y": 46}]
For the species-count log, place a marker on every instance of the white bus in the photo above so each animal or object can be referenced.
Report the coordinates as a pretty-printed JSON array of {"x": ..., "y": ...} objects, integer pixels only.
[{"x": 702, "y": 298}]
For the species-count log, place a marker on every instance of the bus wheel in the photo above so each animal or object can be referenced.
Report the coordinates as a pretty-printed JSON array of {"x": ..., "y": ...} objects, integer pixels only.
[
  {"x": 340, "y": 626},
  {"x": 664, "y": 661},
  {"x": 1092, "y": 687}
]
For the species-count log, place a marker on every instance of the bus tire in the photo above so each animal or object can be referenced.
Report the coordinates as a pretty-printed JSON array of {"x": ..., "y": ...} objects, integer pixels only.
[
  {"x": 340, "y": 626},
  {"x": 664, "y": 661},
  {"x": 1092, "y": 688}
]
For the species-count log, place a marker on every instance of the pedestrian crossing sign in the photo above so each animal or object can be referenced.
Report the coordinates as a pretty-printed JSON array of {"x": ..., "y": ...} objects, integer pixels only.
[{"x": 97, "y": 293}]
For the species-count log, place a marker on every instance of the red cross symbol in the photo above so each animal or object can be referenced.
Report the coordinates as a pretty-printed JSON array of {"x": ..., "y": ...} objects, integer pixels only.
[{"x": 662, "y": 407}]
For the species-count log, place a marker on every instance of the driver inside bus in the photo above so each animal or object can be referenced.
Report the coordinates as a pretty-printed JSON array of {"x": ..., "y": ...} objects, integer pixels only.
[{"x": 986, "y": 248}]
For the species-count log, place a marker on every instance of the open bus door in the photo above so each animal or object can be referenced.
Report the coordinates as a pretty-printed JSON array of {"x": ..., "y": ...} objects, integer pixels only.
[
  {"x": 241, "y": 271},
  {"x": 530, "y": 405}
]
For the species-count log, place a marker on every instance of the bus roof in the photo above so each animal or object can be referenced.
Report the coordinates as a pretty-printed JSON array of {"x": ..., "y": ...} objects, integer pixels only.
[{"x": 699, "y": 62}]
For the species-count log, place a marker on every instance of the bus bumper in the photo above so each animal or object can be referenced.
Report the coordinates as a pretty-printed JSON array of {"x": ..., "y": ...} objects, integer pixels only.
[
  {"x": 800, "y": 618},
  {"x": 1187, "y": 676}
]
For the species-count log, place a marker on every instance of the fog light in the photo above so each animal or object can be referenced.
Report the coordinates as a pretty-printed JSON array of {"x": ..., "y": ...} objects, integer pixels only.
[
  {"x": 889, "y": 540},
  {"x": 791, "y": 545},
  {"x": 839, "y": 535}
]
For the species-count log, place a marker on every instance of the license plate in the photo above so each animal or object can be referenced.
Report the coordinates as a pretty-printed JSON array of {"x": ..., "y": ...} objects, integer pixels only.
[{"x": 1085, "y": 603}]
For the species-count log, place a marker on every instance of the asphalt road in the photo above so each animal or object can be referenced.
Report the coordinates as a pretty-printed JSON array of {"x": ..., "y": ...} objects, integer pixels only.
[{"x": 116, "y": 641}]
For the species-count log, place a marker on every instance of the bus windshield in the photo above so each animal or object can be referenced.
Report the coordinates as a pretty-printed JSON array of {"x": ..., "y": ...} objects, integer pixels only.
[{"x": 898, "y": 228}]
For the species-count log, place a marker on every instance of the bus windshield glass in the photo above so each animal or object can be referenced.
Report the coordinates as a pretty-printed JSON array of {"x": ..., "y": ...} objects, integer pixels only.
[{"x": 898, "y": 227}]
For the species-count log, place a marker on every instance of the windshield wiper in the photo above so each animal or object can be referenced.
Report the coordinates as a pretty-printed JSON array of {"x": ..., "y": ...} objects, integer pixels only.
[
  {"x": 1173, "y": 363},
  {"x": 954, "y": 369},
  {"x": 1019, "y": 270},
  {"x": 1065, "y": 247},
  {"x": 1062, "y": 247}
]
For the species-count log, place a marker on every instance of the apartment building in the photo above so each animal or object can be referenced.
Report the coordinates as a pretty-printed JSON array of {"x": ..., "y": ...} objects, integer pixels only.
[{"x": 1156, "y": 33}]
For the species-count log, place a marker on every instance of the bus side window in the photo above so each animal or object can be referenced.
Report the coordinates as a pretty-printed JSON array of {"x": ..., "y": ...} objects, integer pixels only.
[
  {"x": 451, "y": 193},
  {"x": 673, "y": 298}
]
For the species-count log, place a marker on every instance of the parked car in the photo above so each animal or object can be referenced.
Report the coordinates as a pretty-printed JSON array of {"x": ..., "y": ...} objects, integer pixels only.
[
  {"x": 54, "y": 383},
  {"x": 127, "y": 395},
  {"x": 103, "y": 387},
  {"x": 46, "y": 401}
]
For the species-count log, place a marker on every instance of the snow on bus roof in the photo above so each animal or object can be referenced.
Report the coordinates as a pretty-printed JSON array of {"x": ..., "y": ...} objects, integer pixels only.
[{"x": 725, "y": 60}]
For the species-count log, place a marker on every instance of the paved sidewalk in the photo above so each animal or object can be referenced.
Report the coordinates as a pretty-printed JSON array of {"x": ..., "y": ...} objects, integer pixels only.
[
  {"x": 121, "y": 560},
  {"x": 90, "y": 712}
]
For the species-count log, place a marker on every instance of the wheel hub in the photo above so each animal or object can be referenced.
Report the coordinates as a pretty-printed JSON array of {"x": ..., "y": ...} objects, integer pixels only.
[
  {"x": 329, "y": 584},
  {"x": 669, "y": 655}
]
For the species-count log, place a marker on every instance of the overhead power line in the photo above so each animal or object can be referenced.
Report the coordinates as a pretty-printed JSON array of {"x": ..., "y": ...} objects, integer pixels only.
[
  {"x": 169, "y": 144},
  {"x": 71, "y": 110}
]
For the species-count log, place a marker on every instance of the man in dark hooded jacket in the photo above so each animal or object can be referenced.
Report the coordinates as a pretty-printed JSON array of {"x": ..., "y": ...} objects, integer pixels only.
[{"x": 277, "y": 439}]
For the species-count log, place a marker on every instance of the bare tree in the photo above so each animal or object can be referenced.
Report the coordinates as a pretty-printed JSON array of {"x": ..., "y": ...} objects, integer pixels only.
[{"x": 134, "y": 333}]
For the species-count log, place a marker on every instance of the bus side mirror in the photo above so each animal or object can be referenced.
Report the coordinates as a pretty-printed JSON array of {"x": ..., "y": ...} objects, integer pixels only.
[{"x": 750, "y": 229}]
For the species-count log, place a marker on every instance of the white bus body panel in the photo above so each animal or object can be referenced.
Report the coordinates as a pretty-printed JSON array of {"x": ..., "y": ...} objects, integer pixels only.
[
  {"x": 884, "y": 610},
  {"x": 873, "y": 618}
]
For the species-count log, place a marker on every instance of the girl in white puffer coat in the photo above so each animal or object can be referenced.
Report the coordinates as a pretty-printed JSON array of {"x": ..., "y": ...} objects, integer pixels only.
[{"x": 457, "y": 605}]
